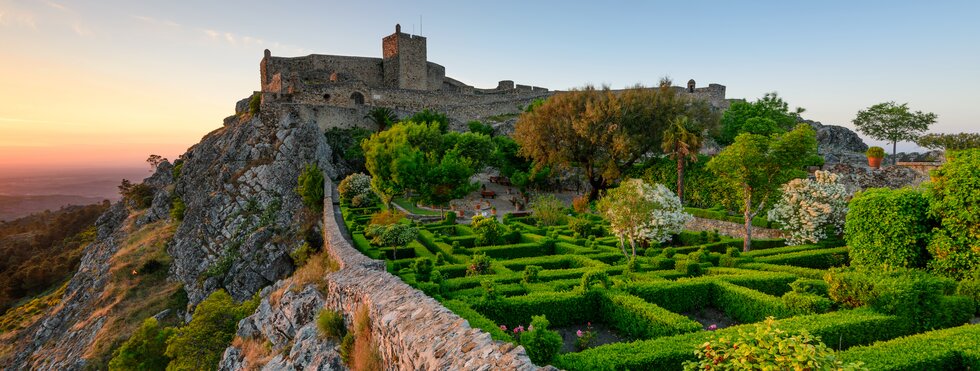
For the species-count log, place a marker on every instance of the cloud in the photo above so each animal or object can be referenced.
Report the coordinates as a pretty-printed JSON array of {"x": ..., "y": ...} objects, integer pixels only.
[
  {"x": 81, "y": 30},
  {"x": 18, "y": 19},
  {"x": 157, "y": 22},
  {"x": 56, "y": 6}
]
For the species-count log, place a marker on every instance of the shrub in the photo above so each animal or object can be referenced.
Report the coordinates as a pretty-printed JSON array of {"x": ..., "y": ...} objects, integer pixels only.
[
  {"x": 531, "y": 274},
  {"x": 310, "y": 187},
  {"x": 803, "y": 303},
  {"x": 915, "y": 296},
  {"x": 489, "y": 289},
  {"x": 391, "y": 235},
  {"x": 810, "y": 286},
  {"x": 581, "y": 204},
  {"x": 638, "y": 212},
  {"x": 255, "y": 103},
  {"x": 746, "y": 305},
  {"x": 888, "y": 228},
  {"x": 541, "y": 344},
  {"x": 386, "y": 217},
  {"x": 201, "y": 342},
  {"x": 423, "y": 269},
  {"x": 330, "y": 323},
  {"x": 489, "y": 231},
  {"x": 138, "y": 195},
  {"x": 668, "y": 252},
  {"x": 585, "y": 228},
  {"x": 480, "y": 128},
  {"x": 479, "y": 265},
  {"x": 949, "y": 349},
  {"x": 971, "y": 289},
  {"x": 689, "y": 268},
  {"x": 357, "y": 185},
  {"x": 639, "y": 319},
  {"x": 818, "y": 259},
  {"x": 144, "y": 350},
  {"x": 875, "y": 152},
  {"x": 809, "y": 208},
  {"x": 956, "y": 203},
  {"x": 548, "y": 210},
  {"x": 593, "y": 277},
  {"x": 347, "y": 347},
  {"x": 177, "y": 209},
  {"x": 767, "y": 347},
  {"x": 301, "y": 254}
]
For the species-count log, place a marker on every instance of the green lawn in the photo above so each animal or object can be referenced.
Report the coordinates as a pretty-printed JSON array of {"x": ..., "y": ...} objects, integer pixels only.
[{"x": 410, "y": 206}]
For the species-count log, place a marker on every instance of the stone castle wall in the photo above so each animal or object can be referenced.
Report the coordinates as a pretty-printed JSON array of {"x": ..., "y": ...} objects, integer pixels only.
[{"x": 413, "y": 331}]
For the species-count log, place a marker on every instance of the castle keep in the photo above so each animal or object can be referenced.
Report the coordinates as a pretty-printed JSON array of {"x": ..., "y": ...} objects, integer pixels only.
[{"x": 337, "y": 91}]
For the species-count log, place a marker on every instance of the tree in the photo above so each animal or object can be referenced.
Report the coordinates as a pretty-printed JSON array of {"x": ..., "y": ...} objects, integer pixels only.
[
  {"x": 144, "y": 350},
  {"x": 310, "y": 187},
  {"x": 950, "y": 142},
  {"x": 154, "y": 161},
  {"x": 200, "y": 344},
  {"x": 639, "y": 212},
  {"x": 809, "y": 207},
  {"x": 682, "y": 140},
  {"x": 893, "y": 123},
  {"x": 600, "y": 131},
  {"x": 382, "y": 117},
  {"x": 766, "y": 116},
  {"x": 755, "y": 166},
  {"x": 428, "y": 116}
]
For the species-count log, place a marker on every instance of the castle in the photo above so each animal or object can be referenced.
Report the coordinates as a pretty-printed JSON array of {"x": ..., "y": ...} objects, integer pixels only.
[{"x": 337, "y": 91}]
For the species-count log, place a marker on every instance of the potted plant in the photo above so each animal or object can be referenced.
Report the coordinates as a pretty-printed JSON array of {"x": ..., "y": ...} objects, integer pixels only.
[
  {"x": 875, "y": 155},
  {"x": 493, "y": 210}
]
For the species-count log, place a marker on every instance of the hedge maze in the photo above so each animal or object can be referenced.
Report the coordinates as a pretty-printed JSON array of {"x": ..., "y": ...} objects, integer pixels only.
[{"x": 672, "y": 298}]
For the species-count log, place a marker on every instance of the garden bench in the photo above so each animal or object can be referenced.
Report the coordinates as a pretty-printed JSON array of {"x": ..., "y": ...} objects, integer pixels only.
[{"x": 488, "y": 194}]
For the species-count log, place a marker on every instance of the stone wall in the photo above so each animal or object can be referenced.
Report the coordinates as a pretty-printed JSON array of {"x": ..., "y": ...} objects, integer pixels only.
[
  {"x": 413, "y": 330},
  {"x": 731, "y": 229}
]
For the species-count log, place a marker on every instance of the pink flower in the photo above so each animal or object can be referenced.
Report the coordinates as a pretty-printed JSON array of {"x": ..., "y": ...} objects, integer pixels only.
[
  {"x": 712, "y": 327},
  {"x": 530, "y": 328},
  {"x": 578, "y": 333},
  {"x": 503, "y": 328},
  {"x": 518, "y": 329},
  {"x": 589, "y": 324}
]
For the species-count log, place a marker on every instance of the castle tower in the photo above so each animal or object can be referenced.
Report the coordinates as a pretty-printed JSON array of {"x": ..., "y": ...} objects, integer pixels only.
[{"x": 404, "y": 60}]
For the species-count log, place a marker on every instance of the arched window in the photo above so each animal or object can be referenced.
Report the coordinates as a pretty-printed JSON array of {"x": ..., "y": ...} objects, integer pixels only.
[
  {"x": 357, "y": 98},
  {"x": 690, "y": 86}
]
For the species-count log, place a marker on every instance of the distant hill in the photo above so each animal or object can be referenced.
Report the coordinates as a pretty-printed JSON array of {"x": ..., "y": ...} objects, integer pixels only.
[{"x": 13, "y": 207}]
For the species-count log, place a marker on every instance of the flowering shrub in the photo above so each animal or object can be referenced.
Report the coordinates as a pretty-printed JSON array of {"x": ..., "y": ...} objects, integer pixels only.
[
  {"x": 489, "y": 231},
  {"x": 355, "y": 190},
  {"x": 808, "y": 208},
  {"x": 638, "y": 211},
  {"x": 392, "y": 234},
  {"x": 541, "y": 344},
  {"x": 548, "y": 210},
  {"x": 767, "y": 347},
  {"x": 584, "y": 339},
  {"x": 479, "y": 265}
]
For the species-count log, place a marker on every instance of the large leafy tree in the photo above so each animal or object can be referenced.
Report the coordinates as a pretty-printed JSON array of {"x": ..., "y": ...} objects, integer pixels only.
[
  {"x": 600, "y": 131},
  {"x": 199, "y": 344},
  {"x": 755, "y": 166},
  {"x": 682, "y": 140},
  {"x": 893, "y": 123},
  {"x": 419, "y": 157},
  {"x": 766, "y": 116},
  {"x": 383, "y": 117}
]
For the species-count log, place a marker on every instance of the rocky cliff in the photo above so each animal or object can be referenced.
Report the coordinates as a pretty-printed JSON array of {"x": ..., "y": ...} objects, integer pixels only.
[{"x": 242, "y": 220}]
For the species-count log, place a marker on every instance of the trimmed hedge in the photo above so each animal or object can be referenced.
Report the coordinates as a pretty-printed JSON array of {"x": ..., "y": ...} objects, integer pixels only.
[
  {"x": 840, "y": 330},
  {"x": 803, "y": 303},
  {"x": 950, "y": 349},
  {"x": 818, "y": 259},
  {"x": 770, "y": 283},
  {"x": 746, "y": 305},
  {"x": 799, "y": 271},
  {"x": 520, "y": 250},
  {"x": 778, "y": 250},
  {"x": 675, "y": 296},
  {"x": 569, "y": 308},
  {"x": 639, "y": 319}
]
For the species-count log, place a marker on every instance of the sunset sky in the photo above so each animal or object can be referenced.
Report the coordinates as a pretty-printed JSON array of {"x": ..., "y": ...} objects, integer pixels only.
[{"x": 105, "y": 83}]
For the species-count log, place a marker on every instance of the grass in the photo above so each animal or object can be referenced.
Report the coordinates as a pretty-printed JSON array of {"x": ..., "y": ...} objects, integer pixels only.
[
  {"x": 410, "y": 207},
  {"x": 137, "y": 289},
  {"x": 256, "y": 353},
  {"x": 23, "y": 315}
]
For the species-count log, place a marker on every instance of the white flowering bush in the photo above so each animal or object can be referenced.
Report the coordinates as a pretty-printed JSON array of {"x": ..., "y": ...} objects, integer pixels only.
[
  {"x": 638, "y": 212},
  {"x": 355, "y": 190},
  {"x": 809, "y": 208}
]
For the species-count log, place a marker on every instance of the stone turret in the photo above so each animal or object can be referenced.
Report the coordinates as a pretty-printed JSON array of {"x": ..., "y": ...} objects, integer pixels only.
[{"x": 405, "y": 60}]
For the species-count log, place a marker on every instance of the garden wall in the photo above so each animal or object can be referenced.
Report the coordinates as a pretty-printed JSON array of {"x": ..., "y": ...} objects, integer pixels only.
[
  {"x": 413, "y": 330},
  {"x": 731, "y": 229}
]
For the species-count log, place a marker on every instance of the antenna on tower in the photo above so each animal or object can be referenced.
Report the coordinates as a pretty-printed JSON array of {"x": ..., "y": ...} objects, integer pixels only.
[{"x": 420, "y": 25}]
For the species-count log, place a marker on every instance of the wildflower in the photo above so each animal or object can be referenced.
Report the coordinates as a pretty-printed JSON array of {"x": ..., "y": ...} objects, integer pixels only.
[
  {"x": 503, "y": 328},
  {"x": 578, "y": 333},
  {"x": 712, "y": 327}
]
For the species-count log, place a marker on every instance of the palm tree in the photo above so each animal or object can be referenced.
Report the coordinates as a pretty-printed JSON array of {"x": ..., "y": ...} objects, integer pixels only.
[
  {"x": 681, "y": 142},
  {"x": 381, "y": 116}
]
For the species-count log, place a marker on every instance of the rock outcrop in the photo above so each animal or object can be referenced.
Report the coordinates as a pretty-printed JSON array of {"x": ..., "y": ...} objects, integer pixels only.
[
  {"x": 243, "y": 214},
  {"x": 838, "y": 144},
  {"x": 856, "y": 178}
]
